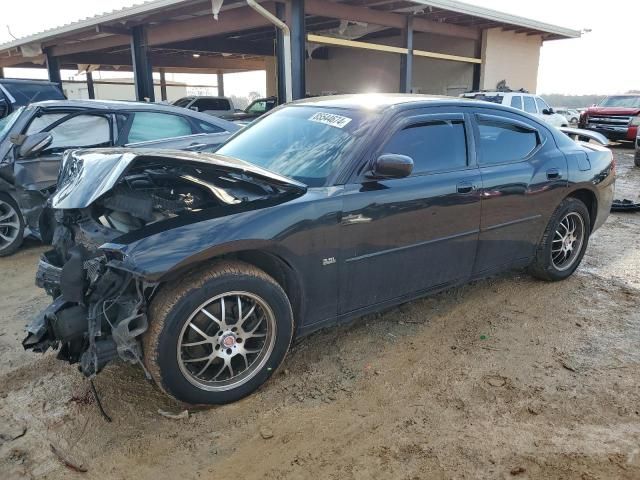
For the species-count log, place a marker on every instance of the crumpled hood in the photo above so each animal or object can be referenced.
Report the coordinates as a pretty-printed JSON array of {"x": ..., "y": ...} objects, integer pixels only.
[{"x": 86, "y": 175}]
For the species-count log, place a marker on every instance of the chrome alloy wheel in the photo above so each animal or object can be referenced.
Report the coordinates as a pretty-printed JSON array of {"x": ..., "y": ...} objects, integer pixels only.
[
  {"x": 226, "y": 341},
  {"x": 567, "y": 241},
  {"x": 9, "y": 224}
]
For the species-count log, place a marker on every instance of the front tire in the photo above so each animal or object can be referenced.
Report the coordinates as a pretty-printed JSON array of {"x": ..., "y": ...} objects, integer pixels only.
[
  {"x": 11, "y": 225},
  {"x": 217, "y": 335},
  {"x": 564, "y": 242}
]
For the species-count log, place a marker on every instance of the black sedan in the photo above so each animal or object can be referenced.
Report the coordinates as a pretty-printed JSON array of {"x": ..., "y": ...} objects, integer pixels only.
[
  {"x": 33, "y": 139},
  {"x": 203, "y": 268}
]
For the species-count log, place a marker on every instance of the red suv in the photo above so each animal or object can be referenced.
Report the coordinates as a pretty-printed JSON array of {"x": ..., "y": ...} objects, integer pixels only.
[{"x": 617, "y": 117}]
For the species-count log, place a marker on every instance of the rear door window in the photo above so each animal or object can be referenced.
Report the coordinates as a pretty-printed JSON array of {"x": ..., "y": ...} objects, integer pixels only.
[
  {"x": 502, "y": 141},
  {"x": 436, "y": 146},
  {"x": 530, "y": 105},
  {"x": 147, "y": 126},
  {"x": 516, "y": 102}
]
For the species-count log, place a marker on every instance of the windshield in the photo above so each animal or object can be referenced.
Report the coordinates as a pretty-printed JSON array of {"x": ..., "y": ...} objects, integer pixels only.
[
  {"x": 7, "y": 122},
  {"x": 626, "y": 101},
  {"x": 307, "y": 144}
]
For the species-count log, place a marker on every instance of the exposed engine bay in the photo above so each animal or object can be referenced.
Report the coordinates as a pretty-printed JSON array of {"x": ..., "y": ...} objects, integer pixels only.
[{"x": 99, "y": 308}]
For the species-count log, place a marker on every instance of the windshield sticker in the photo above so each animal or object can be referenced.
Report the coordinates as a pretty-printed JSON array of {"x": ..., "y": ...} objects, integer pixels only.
[{"x": 330, "y": 119}]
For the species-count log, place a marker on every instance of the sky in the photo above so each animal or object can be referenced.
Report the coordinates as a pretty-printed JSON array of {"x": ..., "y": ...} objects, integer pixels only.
[{"x": 603, "y": 61}]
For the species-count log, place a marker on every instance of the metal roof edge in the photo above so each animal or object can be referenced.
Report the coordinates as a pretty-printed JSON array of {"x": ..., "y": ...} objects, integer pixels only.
[
  {"x": 113, "y": 16},
  {"x": 489, "y": 14}
]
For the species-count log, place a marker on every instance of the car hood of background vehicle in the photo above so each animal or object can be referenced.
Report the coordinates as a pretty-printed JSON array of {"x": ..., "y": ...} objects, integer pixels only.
[
  {"x": 86, "y": 175},
  {"x": 613, "y": 111}
]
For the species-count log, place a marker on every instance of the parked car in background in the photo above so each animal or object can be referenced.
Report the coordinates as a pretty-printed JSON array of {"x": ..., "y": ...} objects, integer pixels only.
[
  {"x": 524, "y": 101},
  {"x": 256, "y": 109},
  {"x": 34, "y": 138},
  {"x": 205, "y": 267},
  {"x": 617, "y": 117},
  {"x": 570, "y": 114},
  {"x": 216, "y": 106},
  {"x": 16, "y": 93}
]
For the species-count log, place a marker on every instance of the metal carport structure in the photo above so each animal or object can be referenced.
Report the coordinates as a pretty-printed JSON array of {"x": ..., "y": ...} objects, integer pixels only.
[{"x": 220, "y": 36}]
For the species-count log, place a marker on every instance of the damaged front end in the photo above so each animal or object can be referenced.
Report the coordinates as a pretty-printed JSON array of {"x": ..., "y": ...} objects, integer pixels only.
[
  {"x": 105, "y": 198},
  {"x": 97, "y": 317}
]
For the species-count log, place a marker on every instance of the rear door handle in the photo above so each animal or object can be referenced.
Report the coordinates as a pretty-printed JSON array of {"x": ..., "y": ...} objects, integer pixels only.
[
  {"x": 465, "y": 187},
  {"x": 553, "y": 174}
]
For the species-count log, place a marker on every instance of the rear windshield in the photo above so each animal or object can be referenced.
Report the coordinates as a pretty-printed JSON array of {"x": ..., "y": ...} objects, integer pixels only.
[
  {"x": 183, "y": 102},
  {"x": 622, "y": 101},
  {"x": 307, "y": 144},
  {"x": 26, "y": 93}
]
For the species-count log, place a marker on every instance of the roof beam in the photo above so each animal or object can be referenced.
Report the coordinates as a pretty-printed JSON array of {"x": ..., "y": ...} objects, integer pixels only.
[
  {"x": 167, "y": 61},
  {"x": 224, "y": 46},
  {"x": 324, "y": 8}
]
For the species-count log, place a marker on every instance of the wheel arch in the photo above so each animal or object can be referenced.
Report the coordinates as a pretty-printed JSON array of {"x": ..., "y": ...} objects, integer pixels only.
[
  {"x": 589, "y": 198},
  {"x": 272, "y": 263}
]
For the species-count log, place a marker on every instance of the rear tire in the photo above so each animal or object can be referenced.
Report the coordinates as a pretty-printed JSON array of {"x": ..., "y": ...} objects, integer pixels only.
[
  {"x": 11, "y": 225},
  {"x": 199, "y": 349},
  {"x": 564, "y": 242}
]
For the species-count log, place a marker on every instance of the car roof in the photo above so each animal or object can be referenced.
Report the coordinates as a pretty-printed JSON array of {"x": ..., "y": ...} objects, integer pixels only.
[
  {"x": 383, "y": 101},
  {"x": 124, "y": 105}
]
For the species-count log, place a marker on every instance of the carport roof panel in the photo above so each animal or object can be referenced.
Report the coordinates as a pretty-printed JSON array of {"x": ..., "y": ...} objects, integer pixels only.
[
  {"x": 499, "y": 17},
  {"x": 467, "y": 15}
]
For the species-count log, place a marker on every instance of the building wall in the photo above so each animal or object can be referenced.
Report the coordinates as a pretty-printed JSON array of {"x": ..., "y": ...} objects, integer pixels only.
[
  {"x": 351, "y": 70},
  {"x": 510, "y": 56}
]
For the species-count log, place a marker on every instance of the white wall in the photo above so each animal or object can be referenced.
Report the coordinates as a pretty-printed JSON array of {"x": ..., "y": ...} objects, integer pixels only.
[
  {"x": 510, "y": 56},
  {"x": 110, "y": 91}
]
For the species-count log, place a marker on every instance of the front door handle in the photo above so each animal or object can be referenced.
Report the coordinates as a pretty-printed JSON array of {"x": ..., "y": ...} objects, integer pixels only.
[
  {"x": 553, "y": 174},
  {"x": 465, "y": 187}
]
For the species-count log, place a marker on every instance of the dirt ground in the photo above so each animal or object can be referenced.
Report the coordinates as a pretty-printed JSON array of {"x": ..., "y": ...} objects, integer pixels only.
[{"x": 504, "y": 378}]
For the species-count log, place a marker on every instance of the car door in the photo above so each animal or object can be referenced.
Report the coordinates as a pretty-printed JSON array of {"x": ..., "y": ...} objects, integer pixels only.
[
  {"x": 69, "y": 130},
  {"x": 410, "y": 235},
  {"x": 524, "y": 176}
]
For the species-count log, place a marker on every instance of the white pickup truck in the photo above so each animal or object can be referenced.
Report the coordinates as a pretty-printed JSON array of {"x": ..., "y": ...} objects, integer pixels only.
[
  {"x": 216, "y": 106},
  {"x": 527, "y": 102}
]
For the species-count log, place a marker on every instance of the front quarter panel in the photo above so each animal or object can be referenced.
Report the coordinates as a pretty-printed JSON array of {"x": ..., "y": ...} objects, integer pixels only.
[{"x": 303, "y": 232}]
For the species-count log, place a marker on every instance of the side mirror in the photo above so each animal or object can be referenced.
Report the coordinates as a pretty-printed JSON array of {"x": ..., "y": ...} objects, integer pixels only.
[
  {"x": 391, "y": 165},
  {"x": 34, "y": 144},
  {"x": 548, "y": 111},
  {"x": 195, "y": 109}
]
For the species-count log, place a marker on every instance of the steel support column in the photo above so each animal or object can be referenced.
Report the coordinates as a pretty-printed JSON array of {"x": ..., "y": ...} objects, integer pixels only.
[
  {"x": 163, "y": 85},
  {"x": 298, "y": 48},
  {"x": 282, "y": 94},
  {"x": 477, "y": 68},
  {"x": 220, "y": 84},
  {"x": 406, "y": 61},
  {"x": 53, "y": 68},
  {"x": 142, "y": 72},
  {"x": 90, "y": 87}
]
